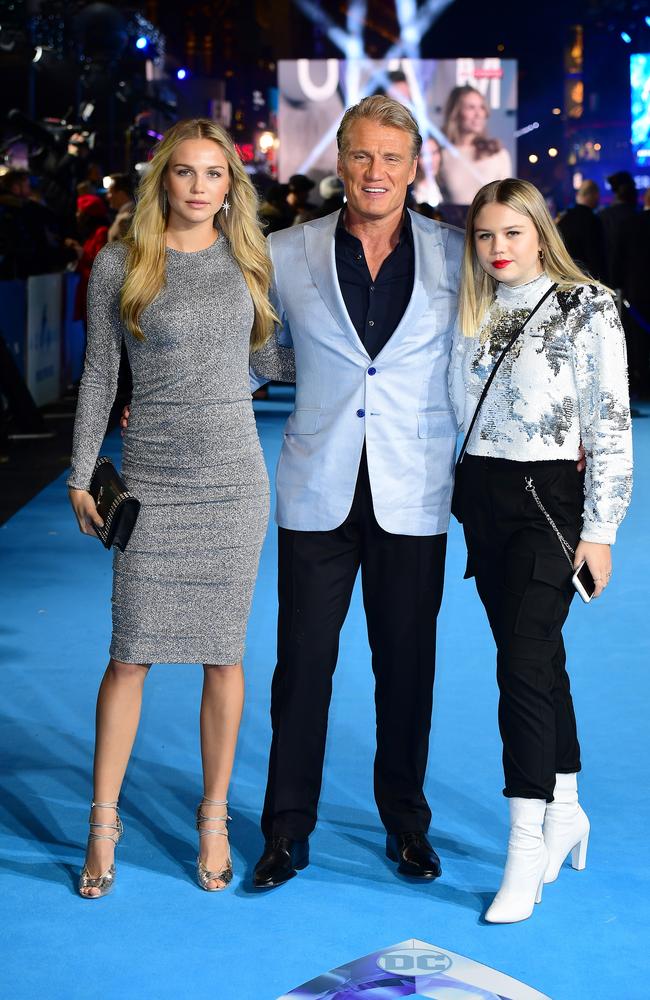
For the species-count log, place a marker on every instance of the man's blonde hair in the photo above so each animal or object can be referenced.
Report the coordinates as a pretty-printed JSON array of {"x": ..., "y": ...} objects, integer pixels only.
[{"x": 384, "y": 111}]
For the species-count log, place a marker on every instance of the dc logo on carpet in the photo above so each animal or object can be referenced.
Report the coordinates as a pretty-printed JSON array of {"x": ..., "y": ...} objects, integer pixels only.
[
  {"x": 413, "y": 961},
  {"x": 418, "y": 970}
]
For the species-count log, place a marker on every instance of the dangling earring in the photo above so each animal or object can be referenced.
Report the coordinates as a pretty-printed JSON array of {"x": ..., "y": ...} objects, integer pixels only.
[
  {"x": 541, "y": 255},
  {"x": 225, "y": 208}
]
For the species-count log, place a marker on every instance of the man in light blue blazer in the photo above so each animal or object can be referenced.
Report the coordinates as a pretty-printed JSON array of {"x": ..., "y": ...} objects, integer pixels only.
[{"x": 368, "y": 298}]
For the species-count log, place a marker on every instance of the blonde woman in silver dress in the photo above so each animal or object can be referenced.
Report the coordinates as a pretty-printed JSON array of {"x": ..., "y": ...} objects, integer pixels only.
[{"x": 187, "y": 291}]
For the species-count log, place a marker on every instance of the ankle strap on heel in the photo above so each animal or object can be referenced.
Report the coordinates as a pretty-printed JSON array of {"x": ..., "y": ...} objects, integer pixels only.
[
  {"x": 116, "y": 827},
  {"x": 203, "y": 818}
]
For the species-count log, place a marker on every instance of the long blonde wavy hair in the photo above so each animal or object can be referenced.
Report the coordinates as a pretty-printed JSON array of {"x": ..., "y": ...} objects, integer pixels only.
[
  {"x": 477, "y": 288},
  {"x": 145, "y": 265},
  {"x": 483, "y": 144}
]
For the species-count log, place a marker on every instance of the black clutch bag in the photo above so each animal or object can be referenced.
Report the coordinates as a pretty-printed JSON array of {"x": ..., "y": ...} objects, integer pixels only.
[{"x": 117, "y": 507}]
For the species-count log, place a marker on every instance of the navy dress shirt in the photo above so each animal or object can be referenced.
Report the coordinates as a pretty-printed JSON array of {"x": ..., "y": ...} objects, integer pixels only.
[{"x": 375, "y": 307}]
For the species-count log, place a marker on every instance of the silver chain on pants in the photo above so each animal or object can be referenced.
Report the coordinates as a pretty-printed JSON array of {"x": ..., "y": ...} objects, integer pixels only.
[{"x": 530, "y": 488}]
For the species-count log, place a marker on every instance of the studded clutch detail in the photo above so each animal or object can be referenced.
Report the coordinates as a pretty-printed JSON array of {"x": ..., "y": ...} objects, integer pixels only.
[{"x": 116, "y": 506}]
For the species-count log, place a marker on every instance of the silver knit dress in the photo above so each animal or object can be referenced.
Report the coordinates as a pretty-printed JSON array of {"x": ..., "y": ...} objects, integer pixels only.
[{"x": 182, "y": 589}]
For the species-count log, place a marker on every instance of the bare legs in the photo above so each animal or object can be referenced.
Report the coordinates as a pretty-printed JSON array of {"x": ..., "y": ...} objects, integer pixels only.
[
  {"x": 221, "y": 709},
  {"x": 118, "y": 714}
]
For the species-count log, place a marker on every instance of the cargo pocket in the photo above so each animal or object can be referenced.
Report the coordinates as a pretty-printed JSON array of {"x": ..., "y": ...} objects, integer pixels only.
[{"x": 545, "y": 599}]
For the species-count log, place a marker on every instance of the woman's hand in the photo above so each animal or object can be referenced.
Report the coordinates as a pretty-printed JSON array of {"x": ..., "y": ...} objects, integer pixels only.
[
  {"x": 124, "y": 419},
  {"x": 85, "y": 510},
  {"x": 599, "y": 562}
]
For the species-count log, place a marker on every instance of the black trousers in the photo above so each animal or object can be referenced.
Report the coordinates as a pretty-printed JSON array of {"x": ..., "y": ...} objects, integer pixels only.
[
  {"x": 402, "y": 579},
  {"x": 524, "y": 582}
]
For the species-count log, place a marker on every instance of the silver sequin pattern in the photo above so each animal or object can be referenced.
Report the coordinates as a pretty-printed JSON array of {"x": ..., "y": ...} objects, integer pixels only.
[
  {"x": 563, "y": 382},
  {"x": 182, "y": 589}
]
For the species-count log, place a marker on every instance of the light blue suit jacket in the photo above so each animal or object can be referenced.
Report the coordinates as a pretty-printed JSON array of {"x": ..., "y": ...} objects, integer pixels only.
[{"x": 398, "y": 402}]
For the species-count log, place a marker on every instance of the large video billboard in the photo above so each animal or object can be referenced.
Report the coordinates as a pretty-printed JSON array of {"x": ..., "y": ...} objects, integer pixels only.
[
  {"x": 640, "y": 81},
  {"x": 466, "y": 109}
]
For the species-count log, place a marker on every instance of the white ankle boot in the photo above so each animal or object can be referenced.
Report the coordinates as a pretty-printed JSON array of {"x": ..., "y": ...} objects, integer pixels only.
[
  {"x": 523, "y": 877},
  {"x": 566, "y": 827}
]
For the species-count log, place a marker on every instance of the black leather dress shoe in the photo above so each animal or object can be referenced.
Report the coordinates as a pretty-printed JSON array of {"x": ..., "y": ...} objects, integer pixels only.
[
  {"x": 281, "y": 860},
  {"x": 415, "y": 855}
]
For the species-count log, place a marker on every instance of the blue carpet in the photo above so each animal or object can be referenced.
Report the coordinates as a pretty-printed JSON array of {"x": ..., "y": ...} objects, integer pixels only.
[{"x": 158, "y": 936}]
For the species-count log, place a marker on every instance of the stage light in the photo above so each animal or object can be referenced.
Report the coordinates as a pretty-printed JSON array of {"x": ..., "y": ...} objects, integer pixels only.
[
  {"x": 38, "y": 54},
  {"x": 142, "y": 42},
  {"x": 414, "y": 22},
  {"x": 106, "y": 182},
  {"x": 557, "y": 111},
  {"x": 597, "y": 147},
  {"x": 181, "y": 74},
  {"x": 266, "y": 142},
  {"x": 526, "y": 129},
  {"x": 626, "y": 38},
  {"x": 533, "y": 158},
  {"x": 647, "y": 20},
  {"x": 552, "y": 152}
]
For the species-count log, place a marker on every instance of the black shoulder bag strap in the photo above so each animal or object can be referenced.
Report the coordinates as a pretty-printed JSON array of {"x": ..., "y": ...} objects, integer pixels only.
[{"x": 490, "y": 380}]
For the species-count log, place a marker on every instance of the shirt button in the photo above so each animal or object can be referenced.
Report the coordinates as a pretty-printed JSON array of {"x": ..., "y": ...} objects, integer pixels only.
[
  {"x": 361, "y": 413},
  {"x": 359, "y": 256},
  {"x": 372, "y": 288},
  {"x": 371, "y": 322},
  {"x": 372, "y": 371}
]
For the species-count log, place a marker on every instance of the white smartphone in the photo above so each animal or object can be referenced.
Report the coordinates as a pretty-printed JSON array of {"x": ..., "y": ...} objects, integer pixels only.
[{"x": 583, "y": 581}]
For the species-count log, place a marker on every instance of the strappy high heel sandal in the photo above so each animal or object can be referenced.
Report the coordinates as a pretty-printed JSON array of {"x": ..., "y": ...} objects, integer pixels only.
[
  {"x": 204, "y": 876},
  {"x": 106, "y": 880}
]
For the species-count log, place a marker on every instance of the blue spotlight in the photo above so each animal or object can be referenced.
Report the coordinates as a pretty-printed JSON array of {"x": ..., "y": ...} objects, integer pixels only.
[
  {"x": 626, "y": 38},
  {"x": 181, "y": 74},
  {"x": 647, "y": 20},
  {"x": 142, "y": 42}
]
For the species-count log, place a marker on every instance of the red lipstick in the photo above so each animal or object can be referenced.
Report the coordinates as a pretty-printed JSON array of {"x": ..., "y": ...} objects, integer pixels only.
[{"x": 501, "y": 263}]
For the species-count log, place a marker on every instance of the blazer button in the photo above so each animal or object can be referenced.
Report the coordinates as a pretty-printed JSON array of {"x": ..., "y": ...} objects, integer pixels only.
[
  {"x": 372, "y": 371},
  {"x": 361, "y": 413}
]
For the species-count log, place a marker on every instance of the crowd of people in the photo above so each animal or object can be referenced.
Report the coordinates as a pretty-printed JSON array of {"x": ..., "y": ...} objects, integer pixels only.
[
  {"x": 387, "y": 369},
  {"x": 613, "y": 245},
  {"x": 36, "y": 239}
]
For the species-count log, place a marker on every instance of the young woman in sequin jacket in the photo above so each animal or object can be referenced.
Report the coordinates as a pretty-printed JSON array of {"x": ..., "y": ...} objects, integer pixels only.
[{"x": 561, "y": 387}]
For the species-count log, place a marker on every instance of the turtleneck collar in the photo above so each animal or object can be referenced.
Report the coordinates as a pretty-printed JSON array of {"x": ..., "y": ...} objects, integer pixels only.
[{"x": 523, "y": 296}]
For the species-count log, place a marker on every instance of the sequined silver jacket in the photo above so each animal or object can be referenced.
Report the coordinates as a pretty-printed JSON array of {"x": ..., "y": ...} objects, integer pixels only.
[{"x": 563, "y": 382}]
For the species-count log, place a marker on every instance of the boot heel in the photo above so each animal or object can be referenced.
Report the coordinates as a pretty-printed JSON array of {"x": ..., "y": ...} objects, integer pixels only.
[{"x": 579, "y": 854}]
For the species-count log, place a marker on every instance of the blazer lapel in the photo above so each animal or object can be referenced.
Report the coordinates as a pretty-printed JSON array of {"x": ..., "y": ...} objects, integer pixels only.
[
  {"x": 319, "y": 250},
  {"x": 429, "y": 261}
]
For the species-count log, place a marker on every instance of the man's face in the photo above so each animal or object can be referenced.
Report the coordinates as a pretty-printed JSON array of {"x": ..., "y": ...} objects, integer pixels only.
[
  {"x": 376, "y": 168},
  {"x": 113, "y": 196}
]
